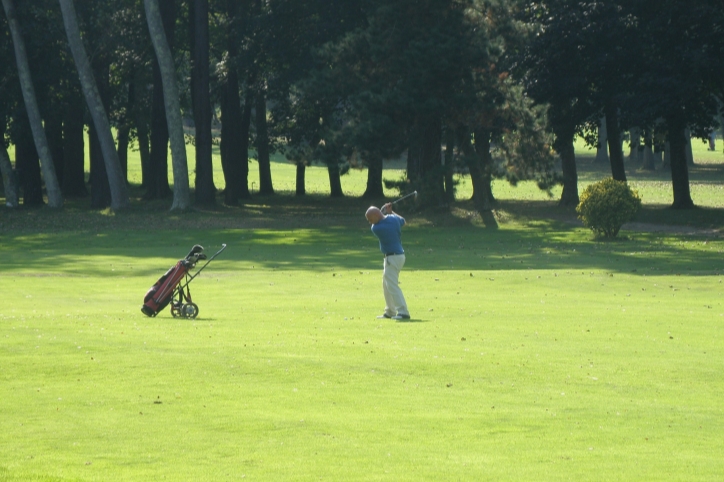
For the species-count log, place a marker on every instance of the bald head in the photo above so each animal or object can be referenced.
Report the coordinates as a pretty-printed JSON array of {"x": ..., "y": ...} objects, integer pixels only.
[{"x": 374, "y": 215}]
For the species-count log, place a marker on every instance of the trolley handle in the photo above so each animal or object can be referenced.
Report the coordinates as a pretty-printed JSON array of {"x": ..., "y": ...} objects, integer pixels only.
[{"x": 223, "y": 247}]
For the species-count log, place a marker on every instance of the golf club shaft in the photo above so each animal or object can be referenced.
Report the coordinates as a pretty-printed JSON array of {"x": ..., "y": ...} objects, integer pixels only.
[
  {"x": 413, "y": 193},
  {"x": 223, "y": 247}
]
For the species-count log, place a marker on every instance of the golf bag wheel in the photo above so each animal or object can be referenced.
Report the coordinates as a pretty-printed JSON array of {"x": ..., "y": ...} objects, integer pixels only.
[
  {"x": 175, "y": 311},
  {"x": 190, "y": 310}
]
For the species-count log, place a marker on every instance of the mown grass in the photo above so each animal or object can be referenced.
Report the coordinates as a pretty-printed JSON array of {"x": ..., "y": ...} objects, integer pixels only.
[{"x": 535, "y": 352}]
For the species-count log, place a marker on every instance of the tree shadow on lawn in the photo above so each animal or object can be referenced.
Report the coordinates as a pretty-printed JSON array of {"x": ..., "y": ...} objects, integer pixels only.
[
  {"x": 704, "y": 221},
  {"x": 318, "y": 236},
  {"x": 589, "y": 170}
]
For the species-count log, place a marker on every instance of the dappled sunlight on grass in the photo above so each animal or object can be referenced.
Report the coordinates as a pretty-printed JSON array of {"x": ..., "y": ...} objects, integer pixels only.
[{"x": 536, "y": 245}]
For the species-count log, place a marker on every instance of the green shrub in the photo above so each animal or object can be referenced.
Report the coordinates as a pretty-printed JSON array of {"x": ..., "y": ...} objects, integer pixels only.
[{"x": 606, "y": 205}]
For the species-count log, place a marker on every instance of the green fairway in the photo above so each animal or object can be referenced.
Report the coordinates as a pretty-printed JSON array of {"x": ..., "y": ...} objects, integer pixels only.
[{"x": 534, "y": 352}]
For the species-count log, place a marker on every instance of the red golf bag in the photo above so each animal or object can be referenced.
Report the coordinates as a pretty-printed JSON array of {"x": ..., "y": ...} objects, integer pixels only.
[{"x": 170, "y": 289}]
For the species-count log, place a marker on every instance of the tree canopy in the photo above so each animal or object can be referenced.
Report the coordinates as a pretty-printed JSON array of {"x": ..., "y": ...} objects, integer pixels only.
[{"x": 501, "y": 86}]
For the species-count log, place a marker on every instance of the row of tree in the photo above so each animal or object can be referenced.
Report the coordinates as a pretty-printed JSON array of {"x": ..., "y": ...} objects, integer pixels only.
[
  {"x": 492, "y": 88},
  {"x": 654, "y": 67}
]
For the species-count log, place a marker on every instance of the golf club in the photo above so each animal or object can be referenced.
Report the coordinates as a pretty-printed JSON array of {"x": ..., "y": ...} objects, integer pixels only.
[{"x": 413, "y": 193}]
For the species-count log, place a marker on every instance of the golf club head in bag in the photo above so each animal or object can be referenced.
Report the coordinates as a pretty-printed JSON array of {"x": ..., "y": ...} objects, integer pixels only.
[{"x": 196, "y": 254}]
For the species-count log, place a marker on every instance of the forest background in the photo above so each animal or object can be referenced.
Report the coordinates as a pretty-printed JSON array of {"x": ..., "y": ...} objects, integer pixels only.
[{"x": 498, "y": 89}]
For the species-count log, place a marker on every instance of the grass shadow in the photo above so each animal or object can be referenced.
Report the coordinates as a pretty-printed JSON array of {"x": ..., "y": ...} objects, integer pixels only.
[{"x": 283, "y": 232}]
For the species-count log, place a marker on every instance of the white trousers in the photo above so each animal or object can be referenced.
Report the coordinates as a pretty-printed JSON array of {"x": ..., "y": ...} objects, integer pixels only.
[{"x": 394, "y": 299}]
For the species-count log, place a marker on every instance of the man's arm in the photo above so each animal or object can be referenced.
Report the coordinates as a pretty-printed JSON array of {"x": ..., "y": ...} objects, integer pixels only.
[{"x": 387, "y": 209}]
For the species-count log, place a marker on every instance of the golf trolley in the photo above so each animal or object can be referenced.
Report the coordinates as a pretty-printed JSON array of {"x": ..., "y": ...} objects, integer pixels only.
[{"x": 169, "y": 289}]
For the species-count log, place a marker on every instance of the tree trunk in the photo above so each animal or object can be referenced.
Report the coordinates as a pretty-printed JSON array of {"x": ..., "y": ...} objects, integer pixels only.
[
  {"x": 181, "y": 194},
  {"x": 374, "y": 189},
  {"x": 235, "y": 142},
  {"x": 199, "y": 23},
  {"x": 123, "y": 140},
  {"x": 634, "y": 144},
  {"x": 667, "y": 155},
  {"x": 262, "y": 140},
  {"x": 124, "y": 130},
  {"x": 262, "y": 146},
  {"x": 482, "y": 148},
  {"x": 229, "y": 117},
  {"x": 601, "y": 148},
  {"x": 10, "y": 181},
  {"x": 100, "y": 189},
  {"x": 335, "y": 180},
  {"x": 414, "y": 166},
  {"x": 119, "y": 190},
  {"x": 472, "y": 160},
  {"x": 144, "y": 151},
  {"x": 618, "y": 171},
  {"x": 432, "y": 160},
  {"x": 449, "y": 164},
  {"x": 679, "y": 168},
  {"x": 301, "y": 190},
  {"x": 27, "y": 168},
  {"x": 54, "y": 134},
  {"x": 564, "y": 146},
  {"x": 55, "y": 197},
  {"x": 234, "y": 122},
  {"x": 141, "y": 116},
  {"x": 424, "y": 160},
  {"x": 659, "y": 148},
  {"x": 157, "y": 185},
  {"x": 648, "y": 155},
  {"x": 244, "y": 144},
  {"x": 74, "y": 147},
  {"x": 229, "y": 146},
  {"x": 688, "y": 150}
]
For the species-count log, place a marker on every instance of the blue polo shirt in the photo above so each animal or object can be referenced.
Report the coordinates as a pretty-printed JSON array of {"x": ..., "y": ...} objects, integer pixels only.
[{"x": 389, "y": 232}]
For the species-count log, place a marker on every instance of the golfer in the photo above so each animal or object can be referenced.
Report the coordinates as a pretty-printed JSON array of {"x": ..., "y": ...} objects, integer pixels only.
[{"x": 388, "y": 229}]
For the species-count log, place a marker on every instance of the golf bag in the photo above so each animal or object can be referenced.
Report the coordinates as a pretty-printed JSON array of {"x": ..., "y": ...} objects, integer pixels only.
[{"x": 169, "y": 288}]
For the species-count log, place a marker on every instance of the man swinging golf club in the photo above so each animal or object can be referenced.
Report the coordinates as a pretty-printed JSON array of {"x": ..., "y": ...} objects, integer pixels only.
[{"x": 387, "y": 226}]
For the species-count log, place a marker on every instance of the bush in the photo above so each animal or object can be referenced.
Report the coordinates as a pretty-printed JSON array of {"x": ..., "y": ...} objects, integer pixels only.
[{"x": 606, "y": 205}]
